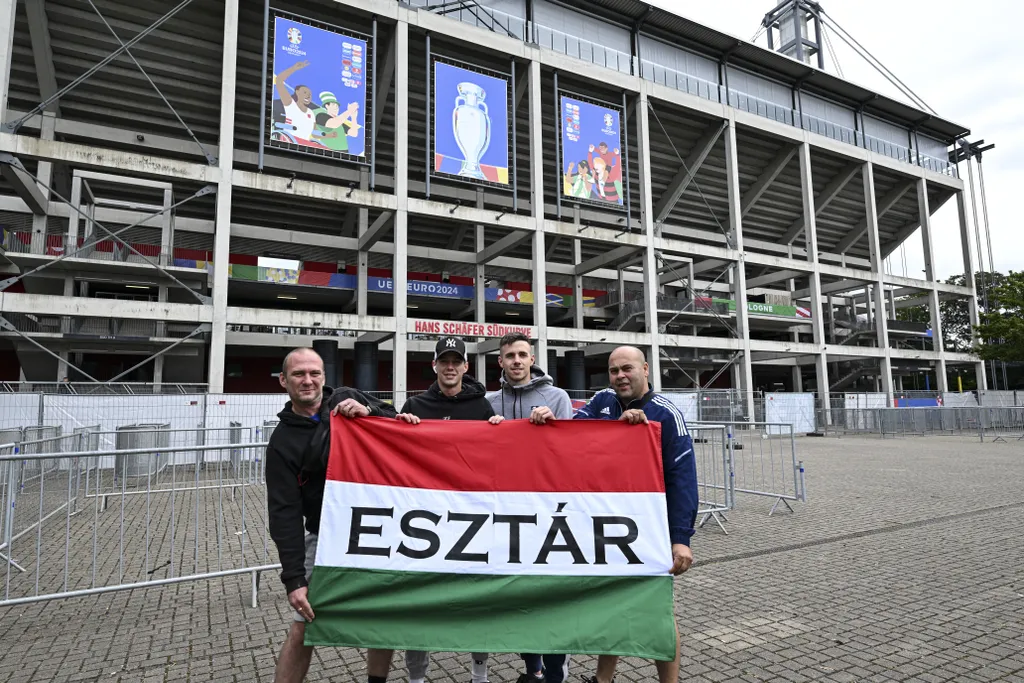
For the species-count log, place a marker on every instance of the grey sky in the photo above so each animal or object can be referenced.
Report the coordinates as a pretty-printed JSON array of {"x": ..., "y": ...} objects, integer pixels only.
[{"x": 966, "y": 60}]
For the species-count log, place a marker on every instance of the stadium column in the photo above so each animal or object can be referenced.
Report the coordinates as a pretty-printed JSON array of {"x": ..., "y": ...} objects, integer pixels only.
[
  {"x": 7, "y": 16},
  {"x": 479, "y": 291},
  {"x": 222, "y": 229},
  {"x": 972, "y": 302},
  {"x": 643, "y": 146},
  {"x": 400, "y": 265},
  {"x": 577, "y": 285},
  {"x": 362, "y": 257},
  {"x": 540, "y": 299},
  {"x": 878, "y": 285},
  {"x": 44, "y": 171},
  {"x": 732, "y": 171},
  {"x": 811, "y": 230}
]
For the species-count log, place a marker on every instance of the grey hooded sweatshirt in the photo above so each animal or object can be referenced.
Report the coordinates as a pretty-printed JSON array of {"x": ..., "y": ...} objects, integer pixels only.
[{"x": 516, "y": 402}]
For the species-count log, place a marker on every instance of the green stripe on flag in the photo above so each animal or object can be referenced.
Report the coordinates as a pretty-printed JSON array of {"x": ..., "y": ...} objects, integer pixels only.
[{"x": 444, "y": 612}]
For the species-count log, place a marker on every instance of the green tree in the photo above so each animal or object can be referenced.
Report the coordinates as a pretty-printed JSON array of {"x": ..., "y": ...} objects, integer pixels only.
[
  {"x": 955, "y": 314},
  {"x": 1002, "y": 326}
]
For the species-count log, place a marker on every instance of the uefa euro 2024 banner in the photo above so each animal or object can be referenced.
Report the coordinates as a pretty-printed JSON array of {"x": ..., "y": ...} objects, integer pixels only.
[
  {"x": 470, "y": 124},
  {"x": 591, "y": 158},
  {"x": 319, "y": 99}
]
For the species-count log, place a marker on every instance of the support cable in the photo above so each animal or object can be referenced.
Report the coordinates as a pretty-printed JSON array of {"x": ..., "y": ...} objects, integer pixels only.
[
  {"x": 112, "y": 235},
  {"x": 693, "y": 175},
  {"x": 14, "y": 126},
  {"x": 212, "y": 160}
]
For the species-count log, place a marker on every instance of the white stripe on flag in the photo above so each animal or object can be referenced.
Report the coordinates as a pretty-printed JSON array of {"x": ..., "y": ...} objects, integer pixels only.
[{"x": 380, "y": 534}]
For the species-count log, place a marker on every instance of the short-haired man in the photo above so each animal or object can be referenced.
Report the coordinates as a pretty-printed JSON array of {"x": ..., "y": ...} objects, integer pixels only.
[
  {"x": 453, "y": 396},
  {"x": 525, "y": 387},
  {"x": 296, "y": 465},
  {"x": 631, "y": 399}
]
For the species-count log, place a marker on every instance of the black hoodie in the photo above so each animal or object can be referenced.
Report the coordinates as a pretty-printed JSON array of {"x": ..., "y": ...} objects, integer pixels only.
[
  {"x": 295, "y": 485},
  {"x": 469, "y": 404}
]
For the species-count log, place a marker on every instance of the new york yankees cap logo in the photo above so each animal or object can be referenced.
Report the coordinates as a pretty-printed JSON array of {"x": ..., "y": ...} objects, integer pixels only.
[{"x": 450, "y": 345}]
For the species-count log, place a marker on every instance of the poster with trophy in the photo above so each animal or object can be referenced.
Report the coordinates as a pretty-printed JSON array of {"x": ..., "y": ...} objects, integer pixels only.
[
  {"x": 592, "y": 159},
  {"x": 318, "y": 90},
  {"x": 470, "y": 125}
]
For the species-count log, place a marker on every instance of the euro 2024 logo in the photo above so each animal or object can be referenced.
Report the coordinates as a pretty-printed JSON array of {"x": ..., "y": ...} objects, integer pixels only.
[
  {"x": 294, "y": 36},
  {"x": 609, "y": 121}
]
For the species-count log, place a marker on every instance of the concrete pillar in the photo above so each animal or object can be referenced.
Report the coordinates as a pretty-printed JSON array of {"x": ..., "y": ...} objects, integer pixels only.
[
  {"x": 7, "y": 14},
  {"x": 479, "y": 291},
  {"x": 575, "y": 363},
  {"x": 44, "y": 171},
  {"x": 877, "y": 267},
  {"x": 732, "y": 172},
  {"x": 222, "y": 228},
  {"x": 401, "y": 261},
  {"x": 972, "y": 302},
  {"x": 537, "y": 179},
  {"x": 924, "y": 210},
  {"x": 552, "y": 365},
  {"x": 73, "y": 218},
  {"x": 811, "y": 232},
  {"x": 362, "y": 257},
  {"x": 798, "y": 380},
  {"x": 158, "y": 374},
  {"x": 577, "y": 285},
  {"x": 328, "y": 350},
  {"x": 650, "y": 261},
  {"x": 366, "y": 366},
  {"x": 167, "y": 231}
]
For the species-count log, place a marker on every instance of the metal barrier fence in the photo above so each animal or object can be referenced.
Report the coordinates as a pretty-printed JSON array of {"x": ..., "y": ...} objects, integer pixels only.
[
  {"x": 711, "y": 454},
  {"x": 204, "y": 516},
  {"x": 763, "y": 462},
  {"x": 983, "y": 423}
]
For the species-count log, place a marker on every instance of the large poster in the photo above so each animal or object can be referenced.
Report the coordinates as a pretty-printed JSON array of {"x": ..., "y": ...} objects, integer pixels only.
[
  {"x": 471, "y": 126},
  {"x": 591, "y": 157},
  {"x": 319, "y": 90}
]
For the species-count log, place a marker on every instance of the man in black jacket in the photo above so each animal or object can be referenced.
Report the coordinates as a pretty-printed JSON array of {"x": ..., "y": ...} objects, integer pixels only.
[
  {"x": 296, "y": 473},
  {"x": 454, "y": 396}
]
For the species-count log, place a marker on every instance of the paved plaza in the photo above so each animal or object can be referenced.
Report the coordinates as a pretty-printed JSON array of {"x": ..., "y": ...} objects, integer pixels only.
[{"x": 906, "y": 563}]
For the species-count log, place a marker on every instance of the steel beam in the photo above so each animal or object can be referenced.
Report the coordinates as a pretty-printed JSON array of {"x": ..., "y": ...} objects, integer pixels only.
[
  {"x": 684, "y": 176},
  {"x": 861, "y": 229},
  {"x": 823, "y": 199},
  {"x": 503, "y": 245},
  {"x": 605, "y": 260},
  {"x": 376, "y": 231},
  {"x": 776, "y": 166},
  {"x": 23, "y": 184}
]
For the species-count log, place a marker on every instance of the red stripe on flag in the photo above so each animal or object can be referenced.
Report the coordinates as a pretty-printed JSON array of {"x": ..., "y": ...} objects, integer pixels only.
[{"x": 581, "y": 456}]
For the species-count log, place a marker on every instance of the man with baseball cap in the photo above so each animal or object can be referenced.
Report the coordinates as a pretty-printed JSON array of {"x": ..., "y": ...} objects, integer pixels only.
[{"x": 454, "y": 396}]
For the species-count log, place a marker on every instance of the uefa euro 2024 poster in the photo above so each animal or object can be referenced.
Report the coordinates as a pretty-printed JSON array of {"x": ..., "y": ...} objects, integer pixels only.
[
  {"x": 319, "y": 89},
  {"x": 471, "y": 124},
  {"x": 591, "y": 157}
]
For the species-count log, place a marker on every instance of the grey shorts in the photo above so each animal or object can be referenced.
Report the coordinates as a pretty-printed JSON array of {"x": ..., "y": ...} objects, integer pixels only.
[{"x": 310, "y": 560}]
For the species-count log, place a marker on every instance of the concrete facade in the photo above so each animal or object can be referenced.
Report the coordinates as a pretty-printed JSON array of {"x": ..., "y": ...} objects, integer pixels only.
[{"x": 728, "y": 202}]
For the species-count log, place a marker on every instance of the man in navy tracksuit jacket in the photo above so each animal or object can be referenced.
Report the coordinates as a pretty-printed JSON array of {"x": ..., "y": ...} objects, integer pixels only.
[{"x": 631, "y": 399}]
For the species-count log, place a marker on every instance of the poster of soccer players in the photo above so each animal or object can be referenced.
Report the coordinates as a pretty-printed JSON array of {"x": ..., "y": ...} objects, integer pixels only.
[
  {"x": 591, "y": 157},
  {"x": 471, "y": 125},
  {"x": 318, "y": 102}
]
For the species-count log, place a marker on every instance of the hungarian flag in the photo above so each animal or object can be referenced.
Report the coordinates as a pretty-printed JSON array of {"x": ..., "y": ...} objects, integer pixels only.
[{"x": 466, "y": 536}]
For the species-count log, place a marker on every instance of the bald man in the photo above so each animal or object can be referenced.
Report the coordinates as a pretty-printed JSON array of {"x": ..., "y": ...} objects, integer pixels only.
[
  {"x": 296, "y": 474},
  {"x": 630, "y": 399}
]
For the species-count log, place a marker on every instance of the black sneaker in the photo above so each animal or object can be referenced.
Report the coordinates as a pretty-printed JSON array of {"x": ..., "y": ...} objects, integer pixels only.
[{"x": 530, "y": 678}]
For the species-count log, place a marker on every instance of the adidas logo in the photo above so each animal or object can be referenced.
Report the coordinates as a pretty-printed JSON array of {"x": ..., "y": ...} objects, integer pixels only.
[{"x": 606, "y": 411}]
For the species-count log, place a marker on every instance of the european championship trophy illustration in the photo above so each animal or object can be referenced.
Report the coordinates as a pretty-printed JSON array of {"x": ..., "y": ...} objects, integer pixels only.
[{"x": 472, "y": 126}]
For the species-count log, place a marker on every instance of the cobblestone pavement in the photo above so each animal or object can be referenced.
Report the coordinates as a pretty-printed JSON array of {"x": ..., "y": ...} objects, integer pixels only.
[{"x": 906, "y": 563}]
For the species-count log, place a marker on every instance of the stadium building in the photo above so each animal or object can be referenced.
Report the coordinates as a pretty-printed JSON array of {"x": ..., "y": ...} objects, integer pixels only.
[{"x": 191, "y": 188}]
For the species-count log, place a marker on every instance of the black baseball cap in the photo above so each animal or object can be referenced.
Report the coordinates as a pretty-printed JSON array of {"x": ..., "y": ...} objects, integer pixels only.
[{"x": 450, "y": 345}]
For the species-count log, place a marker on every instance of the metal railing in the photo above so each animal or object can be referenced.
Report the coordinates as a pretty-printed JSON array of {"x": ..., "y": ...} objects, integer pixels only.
[
  {"x": 763, "y": 462},
  {"x": 982, "y": 423},
  {"x": 117, "y": 388},
  {"x": 679, "y": 80},
  {"x": 206, "y": 518},
  {"x": 714, "y": 483}
]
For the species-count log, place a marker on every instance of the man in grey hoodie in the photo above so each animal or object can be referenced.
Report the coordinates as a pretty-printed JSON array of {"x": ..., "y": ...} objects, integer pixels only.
[{"x": 523, "y": 388}]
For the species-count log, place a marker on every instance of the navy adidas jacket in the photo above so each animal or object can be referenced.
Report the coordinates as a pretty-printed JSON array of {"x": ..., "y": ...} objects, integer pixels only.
[{"x": 677, "y": 456}]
